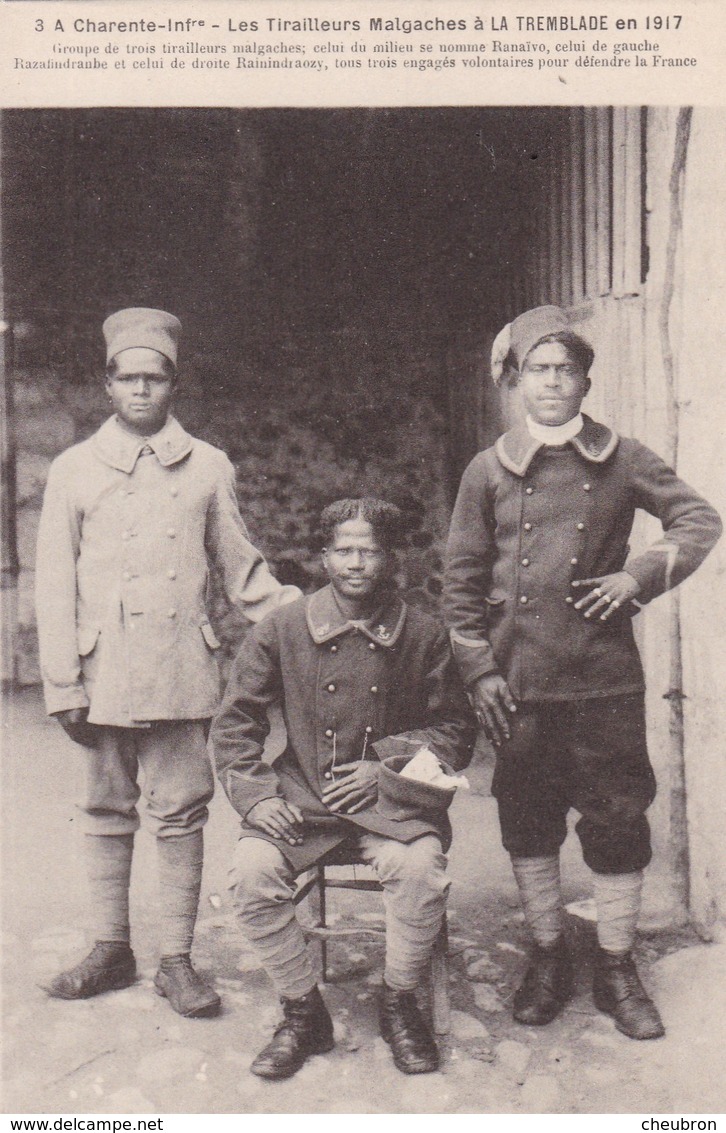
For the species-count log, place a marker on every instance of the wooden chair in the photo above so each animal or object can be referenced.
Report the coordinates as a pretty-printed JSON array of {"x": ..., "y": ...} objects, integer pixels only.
[{"x": 315, "y": 887}]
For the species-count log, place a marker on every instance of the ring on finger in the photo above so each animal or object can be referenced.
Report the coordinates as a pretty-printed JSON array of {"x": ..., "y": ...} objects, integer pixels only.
[
  {"x": 597, "y": 592},
  {"x": 607, "y": 598},
  {"x": 615, "y": 603}
]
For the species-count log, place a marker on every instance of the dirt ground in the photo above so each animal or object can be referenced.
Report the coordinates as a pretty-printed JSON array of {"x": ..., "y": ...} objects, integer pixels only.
[{"x": 126, "y": 1052}]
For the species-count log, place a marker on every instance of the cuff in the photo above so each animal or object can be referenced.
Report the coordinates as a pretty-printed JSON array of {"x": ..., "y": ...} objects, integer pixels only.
[{"x": 63, "y": 699}]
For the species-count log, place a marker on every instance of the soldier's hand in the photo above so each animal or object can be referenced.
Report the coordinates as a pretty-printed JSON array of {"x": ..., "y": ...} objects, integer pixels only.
[
  {"x": 493, "y": 704},
  {"x": 605, "y": 595},
  {"x": 277, "y": 818},
  {"x": 354, "y": 788},
  {"x": 74, "y": 722}
]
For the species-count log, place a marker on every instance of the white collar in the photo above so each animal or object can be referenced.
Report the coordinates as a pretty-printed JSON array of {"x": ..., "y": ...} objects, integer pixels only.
[{"x": 555, "y": 434}]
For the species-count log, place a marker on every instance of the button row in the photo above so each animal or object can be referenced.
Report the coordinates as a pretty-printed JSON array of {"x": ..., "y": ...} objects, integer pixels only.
[
  {"x": 330, "y": 733},
  {"x": 334, "y": 688},
  {"x": 585, "y": 488}
]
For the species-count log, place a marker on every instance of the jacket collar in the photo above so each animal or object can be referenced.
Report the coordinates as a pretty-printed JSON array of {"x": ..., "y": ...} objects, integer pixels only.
[
  {"x": 121, "y": 450},
  {"x": 517, "y": 448},
  {"x": 325, "y": 620}
]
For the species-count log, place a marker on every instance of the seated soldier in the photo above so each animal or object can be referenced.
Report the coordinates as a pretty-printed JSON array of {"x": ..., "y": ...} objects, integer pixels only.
[{"x": 360, "y": 677}]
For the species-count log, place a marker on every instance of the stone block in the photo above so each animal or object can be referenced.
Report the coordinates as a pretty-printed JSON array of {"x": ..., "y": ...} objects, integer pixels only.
[
  {"x": 28, "y": 519},
  {"x": 47, "y": 434},
  {"x": 31, "y": 472}
]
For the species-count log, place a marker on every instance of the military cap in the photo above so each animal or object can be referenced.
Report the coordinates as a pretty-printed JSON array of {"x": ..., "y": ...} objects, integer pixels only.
[
  {"x": 142, "y": 327},
  {"x": 523, "y": 333}
]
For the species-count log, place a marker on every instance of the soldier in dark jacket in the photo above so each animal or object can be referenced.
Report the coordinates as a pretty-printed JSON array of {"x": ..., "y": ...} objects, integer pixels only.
[
  {"x": 540, "y": 591},
  {"x": 360, "y": 677}
]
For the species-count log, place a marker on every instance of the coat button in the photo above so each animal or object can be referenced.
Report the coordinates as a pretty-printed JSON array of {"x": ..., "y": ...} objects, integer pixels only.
[
  {"x": 528, "y": 527},
  {"x": 569, "y": 599},
  {"x": 586, "y": 487},
  {"x": 127, "y": 576},
  {"x": 581, "y": 527},
  {"x": 374, "y": 688},
  {"x": 524, "y": 599},
  {"x": 372, "y": 646},
  {"x": 331, "y": 688},
  {"x": 171, "y": 532},
  {"x": 329, "y": 733},
  {"x": 173, "y": 491},
  {"x": 368, "y": 730},
  {"x": 171, "y": 574},
  {"x": 327, "y": 775},
  {"x": 333, "y": 648},
  {"x": 525, "y": 562},
  {"x": 171, "y": 613},
  {"x": 529, "y": 491},
  {"x": 573, "y": 562},
  {"x": 125, "y": 535}
]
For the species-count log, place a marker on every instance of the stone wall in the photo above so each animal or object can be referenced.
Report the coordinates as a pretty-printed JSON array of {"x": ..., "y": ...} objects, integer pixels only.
[{"x": 304, "y": 425}]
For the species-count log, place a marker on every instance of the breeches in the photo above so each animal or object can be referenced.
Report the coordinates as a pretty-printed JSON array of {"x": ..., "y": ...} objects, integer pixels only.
[
  {"x": 413, "y": 876},
  {"x": 587, "y": 754},
  {"x": 166, "y": 763}
]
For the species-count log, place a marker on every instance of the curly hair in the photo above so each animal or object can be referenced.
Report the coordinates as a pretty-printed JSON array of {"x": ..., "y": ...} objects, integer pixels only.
[
  {"x": 385, "y": 519},
  {"x": 581, "y": 353}
]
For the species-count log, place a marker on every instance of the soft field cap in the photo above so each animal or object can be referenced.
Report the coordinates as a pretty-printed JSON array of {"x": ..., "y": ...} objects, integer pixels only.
[
  {"x": 142, "y": 327},
  {"x": 524, "y": 332},
  {"x": 401, "y": 798}
]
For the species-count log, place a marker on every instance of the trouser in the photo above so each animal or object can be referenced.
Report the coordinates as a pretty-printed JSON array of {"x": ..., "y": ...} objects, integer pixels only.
[
  {"x": 590, "y": 755},
  {"x": 171, "y": 762},
  {"x": 414, "y": 892},
  {"x": 167, "y": 763}
]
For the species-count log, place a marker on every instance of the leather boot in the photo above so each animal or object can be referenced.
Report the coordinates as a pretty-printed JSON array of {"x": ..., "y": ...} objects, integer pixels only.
[
  {"x": 546, "y": 987},
  {"x": 405, "y": 1030},
  {"x": 187, "y": 992},
  {"x": 305, "y": 1029},
  {"x": 109, "y": 965},
  {"x": 618, "y": 992}
]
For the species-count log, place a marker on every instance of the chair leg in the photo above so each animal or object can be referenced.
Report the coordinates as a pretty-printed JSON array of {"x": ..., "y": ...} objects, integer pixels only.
[
  {"x": 440, "y": 1005},
  {"x": 322, "y": 922}
]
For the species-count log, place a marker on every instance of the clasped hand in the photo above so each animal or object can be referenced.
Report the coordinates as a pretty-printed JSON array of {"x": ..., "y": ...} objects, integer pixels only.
[
  {"x": 354, "y": 788},
  {"x": 277, "y": 818}
]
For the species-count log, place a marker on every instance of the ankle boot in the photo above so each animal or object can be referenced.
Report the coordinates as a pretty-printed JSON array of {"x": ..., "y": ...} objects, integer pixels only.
[
  {"x": 405, "y": 1030},
  {"x": 617, "y": 991},
  {"x": 109, "y": 965},
  {"x": 547, "y": 985},
  {"x": 188, "y": 994},
  {"x": 305, "y": 1029}
]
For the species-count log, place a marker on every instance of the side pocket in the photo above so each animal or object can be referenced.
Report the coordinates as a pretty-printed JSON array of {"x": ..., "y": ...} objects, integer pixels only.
[{"x": 210, "y": 636}]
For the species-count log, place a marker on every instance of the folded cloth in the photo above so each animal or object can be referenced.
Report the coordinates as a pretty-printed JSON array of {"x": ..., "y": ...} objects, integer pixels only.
[{"x": 425, "y": 767}]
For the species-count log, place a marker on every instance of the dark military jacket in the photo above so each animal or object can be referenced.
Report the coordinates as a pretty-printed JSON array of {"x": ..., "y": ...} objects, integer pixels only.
[
  {"x": 349, "y": 691},
  {"x": 528, "y": 520}
]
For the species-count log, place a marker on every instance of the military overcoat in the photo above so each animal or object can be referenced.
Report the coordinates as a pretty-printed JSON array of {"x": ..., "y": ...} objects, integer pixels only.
[
  {"x": 348, "y": 691},
  {"x": 125, "y": 543},
  {"x": 529, "y": 519}
]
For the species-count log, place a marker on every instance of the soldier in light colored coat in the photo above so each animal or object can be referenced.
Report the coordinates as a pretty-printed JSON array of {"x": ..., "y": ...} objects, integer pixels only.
[{"x": 132, "y": 519}]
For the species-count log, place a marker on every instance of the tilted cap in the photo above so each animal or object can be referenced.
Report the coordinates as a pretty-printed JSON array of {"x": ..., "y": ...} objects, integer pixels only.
[
  {"x": 524, "y": 332},
  {"x": 142, "y": 327}
]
